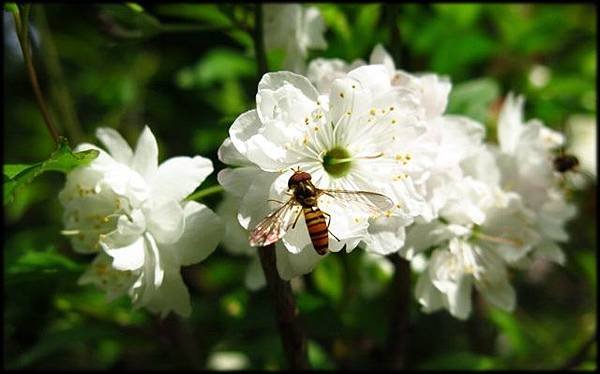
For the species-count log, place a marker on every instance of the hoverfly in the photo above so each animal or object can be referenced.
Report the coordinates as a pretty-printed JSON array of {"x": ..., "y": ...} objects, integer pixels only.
[{"x": 304, "y": 199}]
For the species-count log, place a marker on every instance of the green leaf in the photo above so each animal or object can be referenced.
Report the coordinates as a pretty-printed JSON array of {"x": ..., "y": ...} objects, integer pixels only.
[
  {"x": 135, "y": 7},
  {"x": 218, "y": 65},
  {"x": 62, "y": 160},
  {"x": 33, "y": 263},
  {"x": 317, "y": 357},
  {"x": 336, "y": 19},
  {"x": 328, "y": 278},
  {"x": 13, "y": 169},
  {"x": 11, "y": 7},
  {"x": 473, "y": 98}
]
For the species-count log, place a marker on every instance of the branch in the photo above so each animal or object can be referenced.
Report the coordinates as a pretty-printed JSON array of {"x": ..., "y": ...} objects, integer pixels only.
[
  {"x": 580, "y": 355},
  {"x": 22, "y": 29},
  {"x": 395, "y": 42},
  {"x": 57, "y": 78},
  {"x": 398, "y": 336},
  {"x": 292, "y": 337},
  {"x": 480, "y": 333}
]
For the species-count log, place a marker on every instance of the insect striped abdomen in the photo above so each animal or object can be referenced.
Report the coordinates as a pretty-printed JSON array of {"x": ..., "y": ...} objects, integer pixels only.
[{"x": 317, "y": 229}]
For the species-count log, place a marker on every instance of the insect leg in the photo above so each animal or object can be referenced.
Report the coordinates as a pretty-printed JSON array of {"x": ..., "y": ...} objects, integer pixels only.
[
  {"x": 296, "y": 220},
  {"x": 328, "y": 222},
  {"x": 277, "y": 201}
]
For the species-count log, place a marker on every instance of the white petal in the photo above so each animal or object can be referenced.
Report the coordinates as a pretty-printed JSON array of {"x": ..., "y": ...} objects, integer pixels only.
[
  {"x": 375, "y": 78},
  {"x": 155, "y": 262},
  {"x": 145, "y": 158},
  {"x": 313, "y": 29},
  {"x": 178, "y": 177},
  {"x": 172, "y": 294},
  {"x": 386, "y": 234},
  {"x": 427, "y": 295},
  {"x": 291, "y": 265},
  {"x": 235, "y": 239},
  {"x": 510, "y": 123},
  {"x": 500, "y": 294},
  {"x": 254, "y": 206},
  {"x": 276, "y": 80},
  {"x": 130, "y": 257},
  {"x": 255, "y": 276},
  {"x": 550, "y": 251},
  {"x": 237, "y": 180},
  {"x": 380, "y": 56},
  {"x": 246, "y": 135},
  {"x": 165, "y": 221},
  {"x": 459, "y": 297},
  {"x": 297, "y": 239},
  {"x": 228, "y": 154},
  {"x": 203, "y": 232},
  {"x": 115, "y": 144}
]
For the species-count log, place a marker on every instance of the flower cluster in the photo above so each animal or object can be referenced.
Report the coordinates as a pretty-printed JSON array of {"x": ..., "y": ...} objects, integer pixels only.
[
  {"x": 131, "y": 213},
  {"x": 466, "y": 210}
]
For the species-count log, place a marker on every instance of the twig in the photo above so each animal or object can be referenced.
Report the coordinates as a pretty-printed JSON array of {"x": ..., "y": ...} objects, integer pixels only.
[
  {"x": 22, "y": 29},
  {"x": 292, "y": 336},
  {"x": 580, "y": 354},
  {"x": 398, "y": 336},
  {"x": 395, "y": 41},
  {"x": 57, "y": 78}
]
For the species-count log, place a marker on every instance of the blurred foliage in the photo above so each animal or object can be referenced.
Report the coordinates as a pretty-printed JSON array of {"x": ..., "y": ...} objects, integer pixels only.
[{"x": 187, "y": 70}]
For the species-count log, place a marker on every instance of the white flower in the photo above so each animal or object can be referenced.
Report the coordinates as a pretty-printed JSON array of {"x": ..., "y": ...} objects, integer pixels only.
[
  {"x": 481, "y": 229},
  {"x": 295, "y": 29},
  {"x": 132, "y": 212},
  {"x": 235, "y": 241},
  {"x": 452, "y": 272},
  {"x": 526, "y": 154},
  {"x": 365, "y": 135},
  {"x": 431, "y": 89}
]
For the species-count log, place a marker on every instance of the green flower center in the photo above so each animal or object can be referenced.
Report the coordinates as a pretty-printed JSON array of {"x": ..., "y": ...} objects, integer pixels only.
[{"x": 337, "y": 162}]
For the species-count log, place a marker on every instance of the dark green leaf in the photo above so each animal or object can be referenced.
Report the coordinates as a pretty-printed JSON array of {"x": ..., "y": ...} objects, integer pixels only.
[{"x": 328, "y": 278}]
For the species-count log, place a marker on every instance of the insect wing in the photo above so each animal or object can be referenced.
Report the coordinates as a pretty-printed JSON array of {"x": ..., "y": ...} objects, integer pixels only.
[
  {"x": 275, "y": 225},
  {"x": 371, "y": 203}
]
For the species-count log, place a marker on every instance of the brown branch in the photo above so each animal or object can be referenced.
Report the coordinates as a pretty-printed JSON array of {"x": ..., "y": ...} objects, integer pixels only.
[
  {"x": 580, "y": 354},
  {"x": 395, "y": 42},
  {"x": 292, "y": 336},
  {"x": 398, "y": 336},
  {"x": 22, "y": 29}
]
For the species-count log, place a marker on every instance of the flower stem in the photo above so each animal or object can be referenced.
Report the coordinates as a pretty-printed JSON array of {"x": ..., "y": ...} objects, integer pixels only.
[
  {"x": 292, "y": 336},
  {"x": 398, "y": 337},
  {"x": 205, "y": 192},
  {"x": 22, "y": 29}
]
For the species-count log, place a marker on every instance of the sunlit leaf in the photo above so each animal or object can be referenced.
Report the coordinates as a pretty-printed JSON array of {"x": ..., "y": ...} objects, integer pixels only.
[{"x": 62, "y": 160}]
